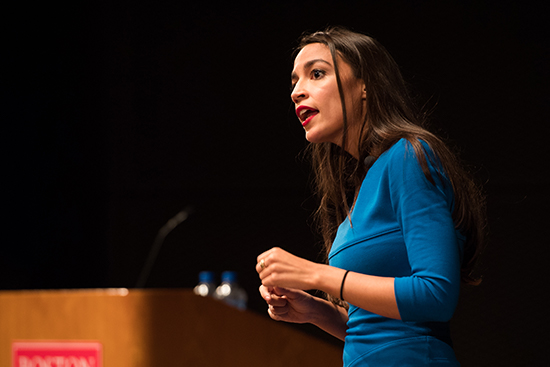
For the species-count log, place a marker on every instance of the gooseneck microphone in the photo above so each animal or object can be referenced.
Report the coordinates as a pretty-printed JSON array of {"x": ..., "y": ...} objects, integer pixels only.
[{"x": 157, "y": 244}]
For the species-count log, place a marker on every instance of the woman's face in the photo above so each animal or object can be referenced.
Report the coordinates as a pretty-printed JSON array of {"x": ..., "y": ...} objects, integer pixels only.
[{"x": 317, "y": 101}]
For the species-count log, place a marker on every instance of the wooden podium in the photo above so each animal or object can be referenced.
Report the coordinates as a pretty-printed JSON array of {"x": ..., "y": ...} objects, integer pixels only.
[{"x": 155, "y": 328}]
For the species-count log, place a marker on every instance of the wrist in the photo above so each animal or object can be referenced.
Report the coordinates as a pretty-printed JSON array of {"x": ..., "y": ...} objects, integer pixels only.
[
  {"x": 320, "y": 308},
  {"x": 329, "y": 317},
  {"x": 333, "y": 281}
]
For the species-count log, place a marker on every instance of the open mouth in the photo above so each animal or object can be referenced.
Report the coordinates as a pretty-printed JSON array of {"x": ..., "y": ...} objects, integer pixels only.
[{"x": 305, "y": 114}]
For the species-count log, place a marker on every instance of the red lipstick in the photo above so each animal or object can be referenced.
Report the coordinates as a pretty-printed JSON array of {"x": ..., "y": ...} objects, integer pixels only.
[{"x": 305, "y": 114}]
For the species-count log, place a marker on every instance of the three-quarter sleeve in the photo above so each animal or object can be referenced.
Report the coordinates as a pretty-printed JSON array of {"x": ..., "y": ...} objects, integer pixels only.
[{"x": 424, "y": 213}]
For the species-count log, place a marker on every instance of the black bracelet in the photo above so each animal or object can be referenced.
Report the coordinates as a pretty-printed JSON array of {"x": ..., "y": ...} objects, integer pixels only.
[{"x": 342, "y": 285}]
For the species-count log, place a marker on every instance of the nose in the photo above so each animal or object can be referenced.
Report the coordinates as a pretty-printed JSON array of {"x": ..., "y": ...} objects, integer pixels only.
[{"x": 298, "y": 93}]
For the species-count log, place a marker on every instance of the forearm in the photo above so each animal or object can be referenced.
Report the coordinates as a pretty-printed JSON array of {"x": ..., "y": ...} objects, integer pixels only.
[
  {"x": 374, "y": 294},
  {"x": 278, "y": 268}
]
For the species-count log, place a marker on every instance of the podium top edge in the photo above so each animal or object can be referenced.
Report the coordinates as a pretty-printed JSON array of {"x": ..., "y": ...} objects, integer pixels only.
[{"x": 96, "y": 291}]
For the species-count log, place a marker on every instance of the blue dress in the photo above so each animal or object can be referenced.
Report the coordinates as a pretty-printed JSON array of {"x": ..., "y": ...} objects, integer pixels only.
[{"x": 401, "y": 227}]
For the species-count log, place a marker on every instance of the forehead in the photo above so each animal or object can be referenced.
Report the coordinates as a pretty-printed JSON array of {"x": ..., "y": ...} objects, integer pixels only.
[{"x": 313, "y": 51}]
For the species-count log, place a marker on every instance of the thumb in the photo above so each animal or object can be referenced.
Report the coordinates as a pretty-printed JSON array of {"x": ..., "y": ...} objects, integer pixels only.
[{"x": 289, "y": 293}]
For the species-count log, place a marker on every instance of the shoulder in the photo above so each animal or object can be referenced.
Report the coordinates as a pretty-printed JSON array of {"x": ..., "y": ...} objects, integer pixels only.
[
  {"x": 413, "y": 162},
  {"x": 405, "y": 152},
  {"x": 405, "y": 148}
]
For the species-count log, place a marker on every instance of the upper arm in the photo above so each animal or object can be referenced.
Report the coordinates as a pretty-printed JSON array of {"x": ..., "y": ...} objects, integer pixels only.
[{"x": 424, "y": 213}]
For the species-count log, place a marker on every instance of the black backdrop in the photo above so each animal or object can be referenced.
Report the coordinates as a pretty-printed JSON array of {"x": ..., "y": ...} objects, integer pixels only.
[{"x": 118, "y": 115}]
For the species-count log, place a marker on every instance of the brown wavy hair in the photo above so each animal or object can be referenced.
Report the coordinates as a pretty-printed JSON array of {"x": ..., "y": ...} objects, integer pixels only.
[{"x": 390, "y": 116}]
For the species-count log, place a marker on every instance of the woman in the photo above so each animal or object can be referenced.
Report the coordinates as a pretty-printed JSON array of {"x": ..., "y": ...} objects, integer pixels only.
[{"x": 401, "y": 220}]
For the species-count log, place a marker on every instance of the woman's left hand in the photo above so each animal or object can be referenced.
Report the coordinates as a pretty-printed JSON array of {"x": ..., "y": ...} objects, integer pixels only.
[{"x": 279, "y": 268}]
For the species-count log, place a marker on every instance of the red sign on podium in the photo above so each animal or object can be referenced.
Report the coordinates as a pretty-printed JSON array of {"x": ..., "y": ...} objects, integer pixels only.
[{"x": 56, "y": 354}]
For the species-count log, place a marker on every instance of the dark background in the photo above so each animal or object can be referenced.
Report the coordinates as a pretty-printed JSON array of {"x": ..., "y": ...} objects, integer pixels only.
[{"x": 117, "y": 115}]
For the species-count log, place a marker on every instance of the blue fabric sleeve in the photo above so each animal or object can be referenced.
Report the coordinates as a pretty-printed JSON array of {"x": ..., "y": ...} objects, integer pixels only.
[{"x": 424, "y": 212}]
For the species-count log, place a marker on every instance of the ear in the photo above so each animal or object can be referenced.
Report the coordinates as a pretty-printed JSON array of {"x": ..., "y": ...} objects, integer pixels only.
[{"x": 364, "y": 93}]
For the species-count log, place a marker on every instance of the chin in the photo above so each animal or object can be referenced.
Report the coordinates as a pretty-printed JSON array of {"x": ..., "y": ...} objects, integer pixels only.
[{"x": 314, "y": 136}]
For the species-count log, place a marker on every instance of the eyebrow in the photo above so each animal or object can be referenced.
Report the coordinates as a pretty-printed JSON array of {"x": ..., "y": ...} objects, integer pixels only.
[{"x": 307, "y": 65}]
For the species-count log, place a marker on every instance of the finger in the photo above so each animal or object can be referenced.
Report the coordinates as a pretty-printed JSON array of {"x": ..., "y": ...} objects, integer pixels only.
[
  {"x": 277, "y": 301},
  {"x": 264, "y": 289},
  {"x": 266, "y": 292},
  {"x": 273, "y": 315},
  {"x": 271, "y": 298},
  {"x": 287, "y": 293},
  {"x": 262, "y": 263},
  {"x": 270, "y": 253},
  {"x": 278, "y": 312},
  {"x": 271, "y": 267},
  {"x": 264, "y": 273},
  {"x": 264, "y": 255},
  {"x": 280, "y": 291}
]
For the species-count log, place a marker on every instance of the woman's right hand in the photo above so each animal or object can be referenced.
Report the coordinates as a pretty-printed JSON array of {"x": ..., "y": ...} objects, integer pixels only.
[
  {"x": 297, "y": 306},
  {"x": 288, "y": 304}
]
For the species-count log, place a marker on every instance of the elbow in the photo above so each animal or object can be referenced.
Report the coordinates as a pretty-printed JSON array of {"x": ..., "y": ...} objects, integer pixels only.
[
  {"x": 441, "y": 301},
  {"x": 429, "y": 312},
  {"x": 440, "y": 311}
]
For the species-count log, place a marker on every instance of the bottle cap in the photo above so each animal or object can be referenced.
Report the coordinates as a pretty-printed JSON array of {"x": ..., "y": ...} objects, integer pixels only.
[
  {"x": 229, "y": 276},
  {"x": 206, "y": 277}
]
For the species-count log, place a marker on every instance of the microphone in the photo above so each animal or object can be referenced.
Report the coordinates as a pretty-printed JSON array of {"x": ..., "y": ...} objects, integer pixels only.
[
  {"x": 159, "y": 240},
  {"x": 369, "y": 161}
]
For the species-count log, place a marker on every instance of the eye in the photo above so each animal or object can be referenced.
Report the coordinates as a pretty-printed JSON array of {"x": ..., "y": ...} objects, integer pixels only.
[{"x": 317, "y": 73}]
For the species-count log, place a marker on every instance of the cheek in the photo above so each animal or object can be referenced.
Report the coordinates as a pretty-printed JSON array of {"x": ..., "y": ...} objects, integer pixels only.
[{"x": 333, "y": 105}]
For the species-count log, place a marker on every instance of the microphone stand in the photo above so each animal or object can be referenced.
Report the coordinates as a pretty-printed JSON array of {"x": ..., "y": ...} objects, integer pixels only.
[{"x": 157, "y": 244}]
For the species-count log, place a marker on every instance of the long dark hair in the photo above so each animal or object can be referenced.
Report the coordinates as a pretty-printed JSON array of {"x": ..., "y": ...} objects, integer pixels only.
[{"x": 390, "y": 116}]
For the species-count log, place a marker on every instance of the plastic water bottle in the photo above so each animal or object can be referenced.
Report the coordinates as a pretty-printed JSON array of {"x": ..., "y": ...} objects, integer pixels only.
[
  {"x": 206, "y": 286},
  {"x": 230, "y": 292}
]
